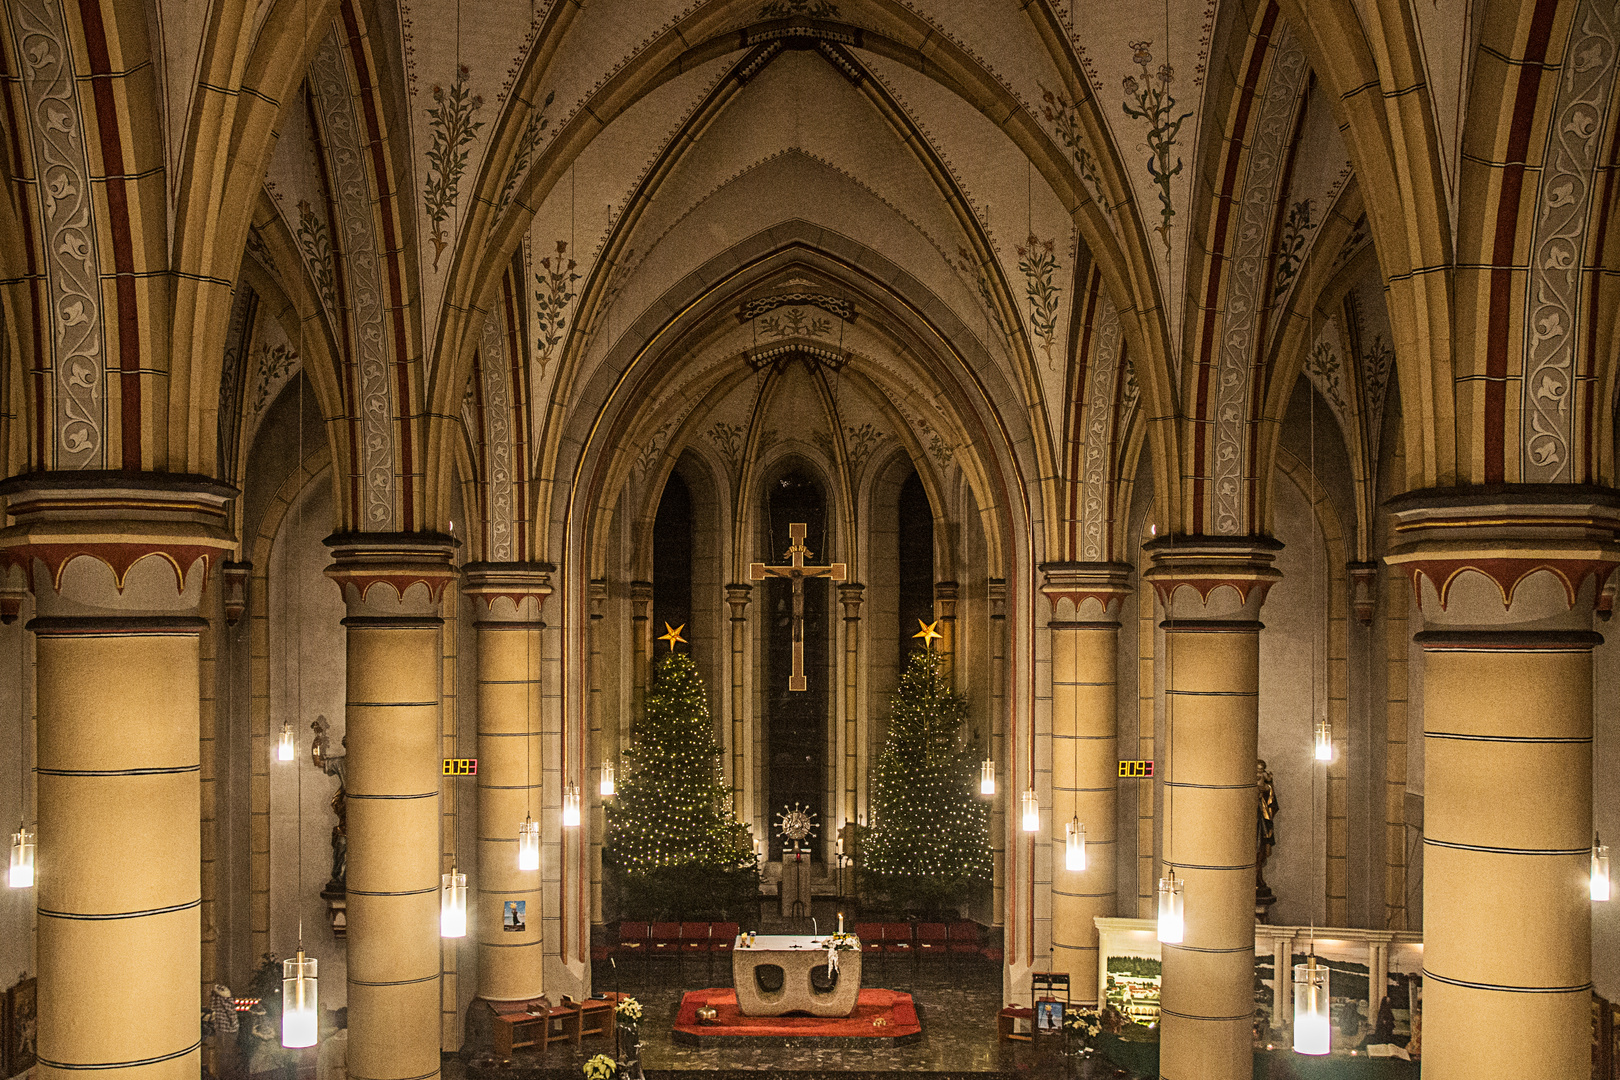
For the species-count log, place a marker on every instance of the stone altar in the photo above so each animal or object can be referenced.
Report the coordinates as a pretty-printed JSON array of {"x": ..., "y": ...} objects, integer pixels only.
[{"x": 797, "y": 955}]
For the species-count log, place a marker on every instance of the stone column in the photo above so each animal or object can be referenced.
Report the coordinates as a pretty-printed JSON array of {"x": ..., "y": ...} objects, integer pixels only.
[
  {"x": 997, "y": 745},
  {"x": 507, "y": 599},
  {"x": 1507, "y": 584},
  {"x": 851, "y": 596},
  {"x": 118, "y": 565},
  {"x": 945, "y": 597},
  {"x": 1085, "y": 601},
  {"x": 1282, "y": 981},
  {"x": 392, "y": 586},
  {"x": 606, "y": 746},
  {"x": 741, "y": 790},
  {"x": 641, "y": 640},
  {"x": 1210, "y": 590}
]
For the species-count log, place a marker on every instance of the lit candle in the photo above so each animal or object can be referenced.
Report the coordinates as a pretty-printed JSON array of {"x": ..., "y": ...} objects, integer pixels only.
[{"x": 840, "y": 922}]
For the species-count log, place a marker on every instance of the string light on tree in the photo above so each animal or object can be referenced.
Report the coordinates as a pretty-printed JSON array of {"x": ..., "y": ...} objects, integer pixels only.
[
  {"x": 930, "y": 832},
  {"x": 671, "y": 824}
]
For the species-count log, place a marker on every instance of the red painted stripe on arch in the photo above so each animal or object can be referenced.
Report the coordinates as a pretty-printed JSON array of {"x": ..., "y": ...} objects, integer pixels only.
[
  {"x": 114, "y": 166},
  {"x": 1507, "y": 227},
  {"x": 29, "y": 206}
]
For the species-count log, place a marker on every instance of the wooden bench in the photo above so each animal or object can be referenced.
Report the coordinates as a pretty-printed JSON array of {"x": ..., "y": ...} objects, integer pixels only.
[{"x": 535, "y": 1023}]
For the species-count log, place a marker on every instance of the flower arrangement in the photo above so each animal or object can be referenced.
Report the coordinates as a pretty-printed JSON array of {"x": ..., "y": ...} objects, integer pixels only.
[
  {"x": 600, "y": 1067},
  {"x": 628, "y": 1011},
  {"x": 1082, "y": 1024},
  {"x": 842, "y": 942}
]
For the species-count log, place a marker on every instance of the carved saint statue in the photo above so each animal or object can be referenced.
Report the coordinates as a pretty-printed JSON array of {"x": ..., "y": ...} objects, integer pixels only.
[
  {"x": 1265, "y": 819},
  {"x": 334, "y": 765}
]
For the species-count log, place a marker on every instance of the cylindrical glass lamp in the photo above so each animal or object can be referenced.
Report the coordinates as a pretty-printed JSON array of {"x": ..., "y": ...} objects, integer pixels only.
[
  {"x": 529, "y": 844},
  {"x": 1172, "y": 920},
  {"x": 610, "y": 785},
  {"x": 22, "y": 859},
  {"x": 1600, "y": 868},
  {"x": 286, "y": 743},
  {"x": 1074, "y": 845},
  {"x": 1324, "y": 740},
  {"x": 1032, "y": 812},
  {"x": 300, "y": 1018},
  {"x": 453, "y": 904},
  {"x": 1313, "y": 1028},
  {"x": 987, "y": 777},
  {"x": 570, "y": 808}
]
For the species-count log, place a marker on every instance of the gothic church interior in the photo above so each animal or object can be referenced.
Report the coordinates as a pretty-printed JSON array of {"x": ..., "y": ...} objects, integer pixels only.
[{"x": 1207, "y": 372}]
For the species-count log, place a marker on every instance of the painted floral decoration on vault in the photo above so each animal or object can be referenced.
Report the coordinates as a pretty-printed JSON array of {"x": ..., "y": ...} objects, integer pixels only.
[
  {"x": 1037, "y": 261},
  {"x": 551, "y": 300},
  {"x": 1061, "y": 113},
  {"x": 1155, "y": 105},
  {"x": 451, "y": 118}
]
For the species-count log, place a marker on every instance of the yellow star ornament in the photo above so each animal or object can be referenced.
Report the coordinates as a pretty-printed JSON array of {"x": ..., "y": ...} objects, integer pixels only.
[
  {"x": 929, "y": 633},
  {"x": 673, "y": 635}
]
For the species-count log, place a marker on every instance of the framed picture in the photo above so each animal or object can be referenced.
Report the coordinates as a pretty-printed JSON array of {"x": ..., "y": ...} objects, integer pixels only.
[
  {"x": 21, "y": 1026},
  {"x": 513, "y": 915},
  {"x": 1049, "y": 1016}
]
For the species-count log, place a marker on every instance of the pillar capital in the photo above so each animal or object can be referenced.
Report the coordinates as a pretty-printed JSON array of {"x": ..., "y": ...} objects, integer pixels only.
[
  {"x": 1490, "y": 557},
  {"x": 1069, "y": 585},
  {"x": 392, "y": 575},
  {"x": 152, "y": 535},
  {"x": 852, "y": 596},
  {"x": 738, "y": 596},
  {"x": 1213, "y": 578},
  {"x": 523, "y": 586}
]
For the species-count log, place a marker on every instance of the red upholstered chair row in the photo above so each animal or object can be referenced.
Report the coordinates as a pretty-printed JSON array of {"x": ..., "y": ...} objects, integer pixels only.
[{"x": 665, "y": 938}]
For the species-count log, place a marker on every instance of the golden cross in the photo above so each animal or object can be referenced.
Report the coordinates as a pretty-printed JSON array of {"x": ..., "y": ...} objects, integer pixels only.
[
  {"x": 929, "y": 633},
  {"x": 673, "y": 636},
  {"x": 796, "y": 571}
]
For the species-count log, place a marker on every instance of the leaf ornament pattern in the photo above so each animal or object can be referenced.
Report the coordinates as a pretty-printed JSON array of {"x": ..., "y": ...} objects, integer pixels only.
[
  {"x": 1037, "y": 261},
  {"x": 453, "y": 126},
  {"x": 1061, "y": 113},
  {"x": 1548, "y": 431},
  {"x": 73, "y": 286},
  {"x": 1156, "y": 105},
  {"x": 539, "y": 122},
  {"x": 556, "y": 291},
  {"x": 316, "y": 244},
  {"x": 1297, "y": 228}
]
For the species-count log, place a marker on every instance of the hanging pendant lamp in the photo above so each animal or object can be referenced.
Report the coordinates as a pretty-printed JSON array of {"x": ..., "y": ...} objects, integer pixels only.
[
  {"x": 987, "y": 777},
  {"x": 453, "y": 904},
  {"x": 22, "y": 859},
  {"x": 1600, "y": 868},
  {"x": 1032, "y": 812},
  {"x": 1313, "y": 1029},
  {"x": 286, "y": 743},
  {"x": 570, "y": 807},
  {"x": 529, "y": 844},
  {"x": 1074, "y": 845},
  {"x": 1324, "y": 740},
  {"x": 300, "y": 1019},
  {"x": 1172, "y": 910},
  {"x": 609, "y": 786}
]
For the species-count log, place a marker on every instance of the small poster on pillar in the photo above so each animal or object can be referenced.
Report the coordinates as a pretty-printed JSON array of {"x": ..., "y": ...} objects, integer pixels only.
[
  {"x": 513, "y": 915},
  {"x": 21, "y": 1027}
]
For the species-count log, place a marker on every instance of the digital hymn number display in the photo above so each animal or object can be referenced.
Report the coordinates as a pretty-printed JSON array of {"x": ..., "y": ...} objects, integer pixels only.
[
  {"x": 461, "y": 766},
  {"x": 1139, "y": 770}
]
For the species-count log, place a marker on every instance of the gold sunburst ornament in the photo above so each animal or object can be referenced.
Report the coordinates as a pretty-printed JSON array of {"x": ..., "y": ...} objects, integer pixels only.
[
  {"x": 929, "y": 633},
  {"x": 796, "y": 823},
  {"x": 672, "y": 634}
]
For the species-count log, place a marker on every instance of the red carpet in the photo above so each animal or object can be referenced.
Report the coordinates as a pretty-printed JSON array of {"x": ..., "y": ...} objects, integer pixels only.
[{"x": 879, "y": 1014}]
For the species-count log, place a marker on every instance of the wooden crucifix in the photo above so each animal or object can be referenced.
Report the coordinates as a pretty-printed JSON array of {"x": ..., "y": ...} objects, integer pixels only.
[{"x": 796, "y": 571}]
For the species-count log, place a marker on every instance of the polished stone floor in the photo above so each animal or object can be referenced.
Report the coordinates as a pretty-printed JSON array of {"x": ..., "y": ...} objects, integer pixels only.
[{"x": 957, "y": 1001}]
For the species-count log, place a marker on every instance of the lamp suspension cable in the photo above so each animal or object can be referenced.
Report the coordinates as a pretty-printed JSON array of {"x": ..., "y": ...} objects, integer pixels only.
[
  {"x": 21, "y": 872},
  {"x": 1172, "y": 921},
  {"x": 300, "y": 1009},
  {"x": 528, "y": 854}
]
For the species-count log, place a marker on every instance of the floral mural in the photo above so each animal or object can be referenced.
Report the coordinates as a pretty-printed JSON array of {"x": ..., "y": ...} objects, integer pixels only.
[
  {"x": 551, "y": 300},
  {"x": 1037, "y": 261},
  {"x": 1156, "y": 106},
  {"x": 451, "y": 119}
]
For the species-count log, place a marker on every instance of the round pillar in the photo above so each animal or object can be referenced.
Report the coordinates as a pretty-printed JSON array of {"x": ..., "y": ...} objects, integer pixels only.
[
  {"x": 508, "y": 598},
  {"x": 1085, "y": 601},
  {"x": 1507, "y": 585},
  {"x": 1210, "y": 590},
  {"x": 392, "y": 587},
  {"x": 118, "y": 566}
]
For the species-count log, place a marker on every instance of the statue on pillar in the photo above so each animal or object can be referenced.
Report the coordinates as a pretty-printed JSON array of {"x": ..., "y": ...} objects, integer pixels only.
[
  {"x": 334, "y": 765},
  {"x": 1265, "y": 836}
]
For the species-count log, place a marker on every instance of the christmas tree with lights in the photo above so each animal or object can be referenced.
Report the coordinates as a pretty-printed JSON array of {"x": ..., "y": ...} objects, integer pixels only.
[
  {"x": 929, "y": 844},
  {"x": 673, "y": 846}
]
